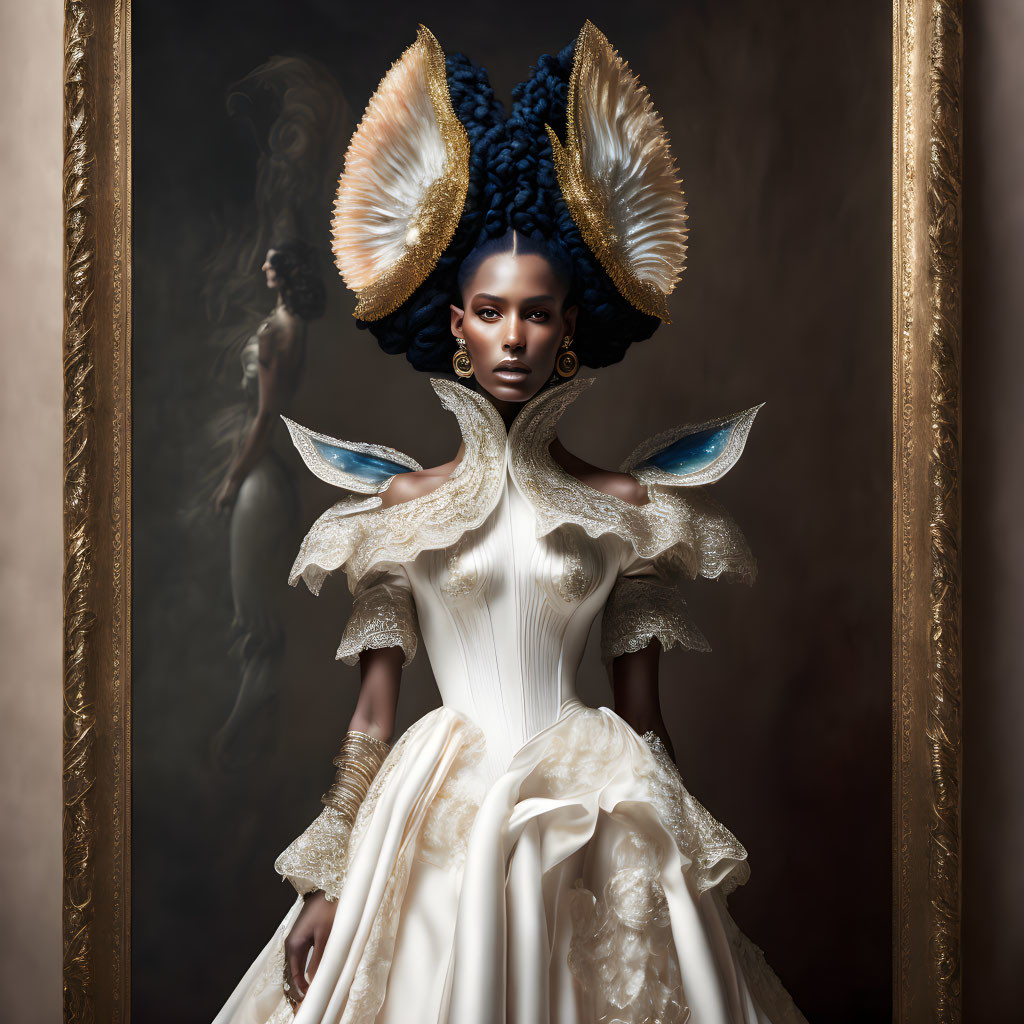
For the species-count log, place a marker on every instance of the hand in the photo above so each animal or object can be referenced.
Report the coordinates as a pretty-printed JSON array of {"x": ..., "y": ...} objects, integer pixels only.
[
  {"x": 310, "y": 931},
  {"x": 225, "y": 496}
]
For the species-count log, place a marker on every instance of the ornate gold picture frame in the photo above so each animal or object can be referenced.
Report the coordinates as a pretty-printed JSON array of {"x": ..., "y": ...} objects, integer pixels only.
[{"x": 927, "y": 472}]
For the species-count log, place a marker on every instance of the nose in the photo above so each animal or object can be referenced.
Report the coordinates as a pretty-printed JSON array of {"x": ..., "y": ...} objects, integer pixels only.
[{"x": 514, "y": 335}]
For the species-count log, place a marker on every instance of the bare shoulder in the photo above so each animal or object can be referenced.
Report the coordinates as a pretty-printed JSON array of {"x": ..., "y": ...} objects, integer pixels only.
[
  {"x": 618, "y": 485},
  {"x": 408, "y": 486},
  {"x": 280, "y": 334}
]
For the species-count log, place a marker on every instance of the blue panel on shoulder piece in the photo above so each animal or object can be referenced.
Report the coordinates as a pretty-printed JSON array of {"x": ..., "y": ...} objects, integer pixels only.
[
  {"x": 692, "y": 455},
  {"x": 692, "y": 452},
  {"x": 353, "y": 465},
  {"x": 371, "y": 468}
]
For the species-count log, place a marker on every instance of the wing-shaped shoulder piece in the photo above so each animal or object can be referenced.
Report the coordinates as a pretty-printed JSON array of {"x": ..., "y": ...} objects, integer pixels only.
[
  {"x": 692, "y": 455},
  {"x": 618, "y": 176},
  {"x": 404, "y": 185},
  {"x": 353, "y": 465}
]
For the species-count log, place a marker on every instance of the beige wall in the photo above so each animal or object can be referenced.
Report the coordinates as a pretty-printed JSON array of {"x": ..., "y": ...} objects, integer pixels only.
[
  {"x": 30, "y": 468},
  {"x": 30, "y": 501}
]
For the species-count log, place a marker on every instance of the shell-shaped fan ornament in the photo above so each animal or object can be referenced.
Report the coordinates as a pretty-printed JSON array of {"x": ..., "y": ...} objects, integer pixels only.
[
  {"x": 352, "y": 465},
  {"x": 692, "y": 455},
  {"x": 404, "y": 185},
  {"x": 618, "y": 176}
]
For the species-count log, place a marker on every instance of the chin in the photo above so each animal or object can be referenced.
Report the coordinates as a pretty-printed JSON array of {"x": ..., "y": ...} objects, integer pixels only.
[{"x": 507, "y": 392}]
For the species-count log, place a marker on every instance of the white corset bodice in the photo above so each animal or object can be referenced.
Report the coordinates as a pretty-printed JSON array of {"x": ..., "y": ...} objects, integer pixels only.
[
  {"x": 504, "y": 616},
  {"x": 509, "y": 562}
]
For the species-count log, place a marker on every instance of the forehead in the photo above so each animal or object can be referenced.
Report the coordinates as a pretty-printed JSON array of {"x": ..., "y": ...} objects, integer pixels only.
[{"x": 515, "y": 276}]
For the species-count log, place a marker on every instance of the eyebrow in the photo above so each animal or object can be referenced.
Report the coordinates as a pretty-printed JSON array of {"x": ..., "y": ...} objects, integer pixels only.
[{"x": 498, "y": 298}]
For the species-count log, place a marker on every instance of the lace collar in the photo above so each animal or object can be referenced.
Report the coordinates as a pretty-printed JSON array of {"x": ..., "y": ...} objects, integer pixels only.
[
  {"x": 699, "y": 536},
  {"x": 559, "y": 498},
  {"x": 360, "y": 540}
]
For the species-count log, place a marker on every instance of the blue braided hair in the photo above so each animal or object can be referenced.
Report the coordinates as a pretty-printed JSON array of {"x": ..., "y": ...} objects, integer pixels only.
[{"x": 513, "y": 185}]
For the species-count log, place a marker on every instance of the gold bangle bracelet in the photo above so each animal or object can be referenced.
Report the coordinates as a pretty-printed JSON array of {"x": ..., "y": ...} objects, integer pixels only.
[{"x": 358, "y": 762}]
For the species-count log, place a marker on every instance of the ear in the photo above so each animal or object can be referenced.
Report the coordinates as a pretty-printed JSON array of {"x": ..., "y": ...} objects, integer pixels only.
[
  {"x": 458, "y": 315},
  {"x": 569, "y": 316}
]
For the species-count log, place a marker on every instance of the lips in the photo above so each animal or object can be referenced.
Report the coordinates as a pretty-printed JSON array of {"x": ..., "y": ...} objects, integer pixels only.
[{"x": 511, "y": 370}]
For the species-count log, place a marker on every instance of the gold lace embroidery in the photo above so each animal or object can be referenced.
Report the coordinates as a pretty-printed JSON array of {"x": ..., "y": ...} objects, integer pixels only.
[
  {"x": 435, "y": 520},
  {"x": 639, "y": 610},
  {"x": 316, "y": 859},
  {"x": 689, "y": 534},
  {"x": 700, "y": 537},
  {"x": 573, "y": 581},
  {"x": 718, "y": 857},
  {"x": 462, "y": 576},
  {"x": 383, "y": 615}
]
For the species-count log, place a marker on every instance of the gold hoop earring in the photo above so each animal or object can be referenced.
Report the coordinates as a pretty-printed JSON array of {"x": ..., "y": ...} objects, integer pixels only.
[
  {"x": 567, "y": 364},
  {"x": 461, "y": 362}
]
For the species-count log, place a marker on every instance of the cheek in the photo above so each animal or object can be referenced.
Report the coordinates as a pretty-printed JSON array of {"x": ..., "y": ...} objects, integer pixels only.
[
  {"x": 480, "y": 335},
  {"x": 545, "y": 339}
]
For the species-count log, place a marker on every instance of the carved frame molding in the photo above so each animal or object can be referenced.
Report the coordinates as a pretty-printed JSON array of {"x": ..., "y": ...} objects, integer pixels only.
[
  {"x": 927, "y": 473},
  {"x": 927, "y": 508}
]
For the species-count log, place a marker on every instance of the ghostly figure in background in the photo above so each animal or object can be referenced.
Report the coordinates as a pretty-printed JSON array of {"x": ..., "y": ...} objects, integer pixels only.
[
  {"x": 294, "y": 111},
  {"x": 259, "y": 489}
]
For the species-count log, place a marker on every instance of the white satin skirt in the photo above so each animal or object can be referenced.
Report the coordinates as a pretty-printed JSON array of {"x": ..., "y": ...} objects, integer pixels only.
[{"x": 584, "y": 885}]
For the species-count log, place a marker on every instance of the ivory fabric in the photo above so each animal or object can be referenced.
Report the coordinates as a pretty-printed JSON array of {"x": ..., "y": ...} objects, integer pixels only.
[{"x": 522, "y": 858}]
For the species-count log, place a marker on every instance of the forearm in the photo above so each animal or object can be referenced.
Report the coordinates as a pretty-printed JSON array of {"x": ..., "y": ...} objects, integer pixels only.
[
  {"x": 316, "y": 860},
  {"x": 253, "y": 448},
  {"x": 378, "y": 695},
  {"x": 635, "y": 688}
]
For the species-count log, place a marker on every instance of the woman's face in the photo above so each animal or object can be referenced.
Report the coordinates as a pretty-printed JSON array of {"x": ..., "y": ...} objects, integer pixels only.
[
  {"x": 272, "y": 281},
  {"x": 513, "y": 324}
]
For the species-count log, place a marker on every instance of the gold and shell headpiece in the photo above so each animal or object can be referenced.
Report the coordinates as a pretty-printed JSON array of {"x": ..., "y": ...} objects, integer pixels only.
[
  {"x": 402, "y": 193},
  {"x": 404, "y": 185},
  {"x": 618, "y": 176}
]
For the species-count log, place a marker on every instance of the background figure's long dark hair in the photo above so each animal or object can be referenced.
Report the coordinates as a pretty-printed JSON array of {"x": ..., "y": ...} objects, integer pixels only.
[{"x": 302, "y": 288}]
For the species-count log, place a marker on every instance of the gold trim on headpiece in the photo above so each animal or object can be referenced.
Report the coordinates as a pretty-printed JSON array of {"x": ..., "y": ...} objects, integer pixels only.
[
  {"x": 618, "y": 176},
  {"x": 404, "y": 185}
]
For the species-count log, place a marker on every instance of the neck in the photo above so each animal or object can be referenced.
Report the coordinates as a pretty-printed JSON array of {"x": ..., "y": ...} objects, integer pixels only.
[{"x": 506, "y": 410}]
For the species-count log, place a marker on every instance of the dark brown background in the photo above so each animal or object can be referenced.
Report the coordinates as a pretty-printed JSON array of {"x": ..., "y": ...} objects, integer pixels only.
[
  {"x": 30, "y": 562},
  {"x": 779, "y": 117}
]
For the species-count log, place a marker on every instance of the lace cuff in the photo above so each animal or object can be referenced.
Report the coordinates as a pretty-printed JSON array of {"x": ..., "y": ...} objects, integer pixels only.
[
  {"x": 317, "y": 859},
  {"x": 383, "y": 615},
  {"x": 638, "y": 610}
]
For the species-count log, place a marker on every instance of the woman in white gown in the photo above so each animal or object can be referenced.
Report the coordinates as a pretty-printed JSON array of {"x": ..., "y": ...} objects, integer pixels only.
[{"x": 516, "y": 856}]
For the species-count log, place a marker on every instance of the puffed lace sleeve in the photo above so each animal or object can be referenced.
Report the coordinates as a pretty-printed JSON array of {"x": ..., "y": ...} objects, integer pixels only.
[
  {"x": 644, "y": 604},
  {"x": 383, "y": 615}
]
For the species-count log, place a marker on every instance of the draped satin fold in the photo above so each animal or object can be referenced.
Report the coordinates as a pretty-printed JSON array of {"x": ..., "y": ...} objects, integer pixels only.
[{"x": 486, "y": 926}]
